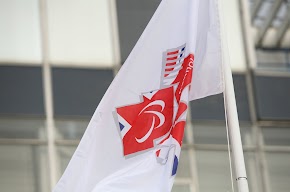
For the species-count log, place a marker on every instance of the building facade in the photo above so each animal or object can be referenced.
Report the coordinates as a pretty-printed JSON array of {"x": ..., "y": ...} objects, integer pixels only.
[{"x": 58, "y": 57}]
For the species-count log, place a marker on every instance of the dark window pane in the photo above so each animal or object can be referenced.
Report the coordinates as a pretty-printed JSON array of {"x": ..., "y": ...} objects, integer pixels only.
[
  {"x": 21, "y": 90},
  {"x": 272, "y": 95},
  {"x": 77, "y": 92},
  {"x": 133, "y": 16},
  {"x": 212, "y": 107}
]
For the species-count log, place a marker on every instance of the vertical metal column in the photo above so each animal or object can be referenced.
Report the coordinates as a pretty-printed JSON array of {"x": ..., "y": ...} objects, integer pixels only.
[
  {"x": 288, "y": 54},
  {"x": 191, "y": 152},
  {"x": 115, "y": 36},
  {"x": 251, "y": 162},
  {"x": 48, "y": 97}
]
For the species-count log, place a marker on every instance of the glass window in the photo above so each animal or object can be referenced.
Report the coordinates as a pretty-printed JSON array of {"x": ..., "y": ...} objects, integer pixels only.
[
  {"x": 263, "y": 11},
  {"x": 213, "y": 171},
  {"x": 288, "y": 59},
  {"x": 286, "y": 40},
  {"x": 65, "y": 154},
  {"x": 209, "y": 134},
  {"x": 276, "y": 135},
  {"x": 19, "y": 31},
  {"x": 271, "y": 59},
  {"x": 281, "y": 15},
  {"x": 80, "y": 33},
  {"x": 21, "y": 91},
  {"x": 11, "y": 128},
  {"x": 23, "y": 168},
  {"x": 184, "y": 164},
  {"x": 181, "y": 188},
  {"x": 247, "y": 134},
  {"x": 70, "y": 129},
  {"x": 253, "y": 172},
  {"x": 77, "y": 92},
  {"x": 279, "y": 171}
]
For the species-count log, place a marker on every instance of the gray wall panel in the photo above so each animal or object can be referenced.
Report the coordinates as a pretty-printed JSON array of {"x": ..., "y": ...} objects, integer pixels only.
[
  {"x": 21, "y": 90},
  {"x": 133, "y": 16},
  {"x": 273, "y": 97},
  {"x": 212, "y": 107},
  {"x": 77, "y": 92}
]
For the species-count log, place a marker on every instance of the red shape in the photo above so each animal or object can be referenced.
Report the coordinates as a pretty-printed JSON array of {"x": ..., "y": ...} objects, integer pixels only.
[
  {"x": 141, "y": 121},
  {"x": 184, "y": 76},
  {"x": 171, "y": 58},
  {"x": 172, "y": 53},
  {"x": 177, "y": 132},
  {"x": 153, "y": 118}
]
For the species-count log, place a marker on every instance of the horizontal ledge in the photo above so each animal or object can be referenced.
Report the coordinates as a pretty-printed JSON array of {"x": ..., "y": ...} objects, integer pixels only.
[
  {"x": 77, "y": 65},
  {"x": 64, "y": 142},
  {"x": 277, "y": 149},
  {"x": 274, "y": 123},
  {"x": 22, "y": 142},
  {"x": 272, "y": 73},
  {"x": 215, "y": 147},
  {"x": 205, "y": 147},
  {"x": 182, "y": 181}
]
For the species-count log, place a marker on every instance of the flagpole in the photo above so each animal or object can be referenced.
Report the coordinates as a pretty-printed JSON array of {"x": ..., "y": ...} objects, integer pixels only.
[
  {"x": 231, "y": 111},
  {"x": 234, "y": 130}
]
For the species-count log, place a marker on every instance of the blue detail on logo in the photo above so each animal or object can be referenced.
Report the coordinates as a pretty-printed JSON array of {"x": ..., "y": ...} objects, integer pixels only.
[
  {"x": 121, "y": 126},
  {"x": 175, "y": 165},
  {"x": 183, "y": 49}
]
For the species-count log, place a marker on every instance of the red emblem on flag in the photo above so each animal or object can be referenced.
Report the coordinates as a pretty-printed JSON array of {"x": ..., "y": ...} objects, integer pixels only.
[
  {"x": 150, "y": 120},
  {"x": 161, "y": 114}
]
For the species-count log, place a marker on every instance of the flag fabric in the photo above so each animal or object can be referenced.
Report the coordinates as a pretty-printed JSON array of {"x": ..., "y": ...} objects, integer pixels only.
[{"x": 133, "y": 141}]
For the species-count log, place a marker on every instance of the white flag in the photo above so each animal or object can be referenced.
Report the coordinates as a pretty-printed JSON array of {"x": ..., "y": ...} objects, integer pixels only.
[{"x": 133, "y": 141}]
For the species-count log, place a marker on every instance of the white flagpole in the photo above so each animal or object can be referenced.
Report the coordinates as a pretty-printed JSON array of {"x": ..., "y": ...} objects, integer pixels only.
[
  {"x": 231, "y": 111},
  {"x": 234, "y": 130}
]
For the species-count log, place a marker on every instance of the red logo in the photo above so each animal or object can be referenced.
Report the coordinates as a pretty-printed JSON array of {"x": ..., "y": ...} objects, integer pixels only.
[
  {"x": 149, "y": 120},
  {"x": 161, "y": 114},
  {"x": 158, "y": 121}
]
